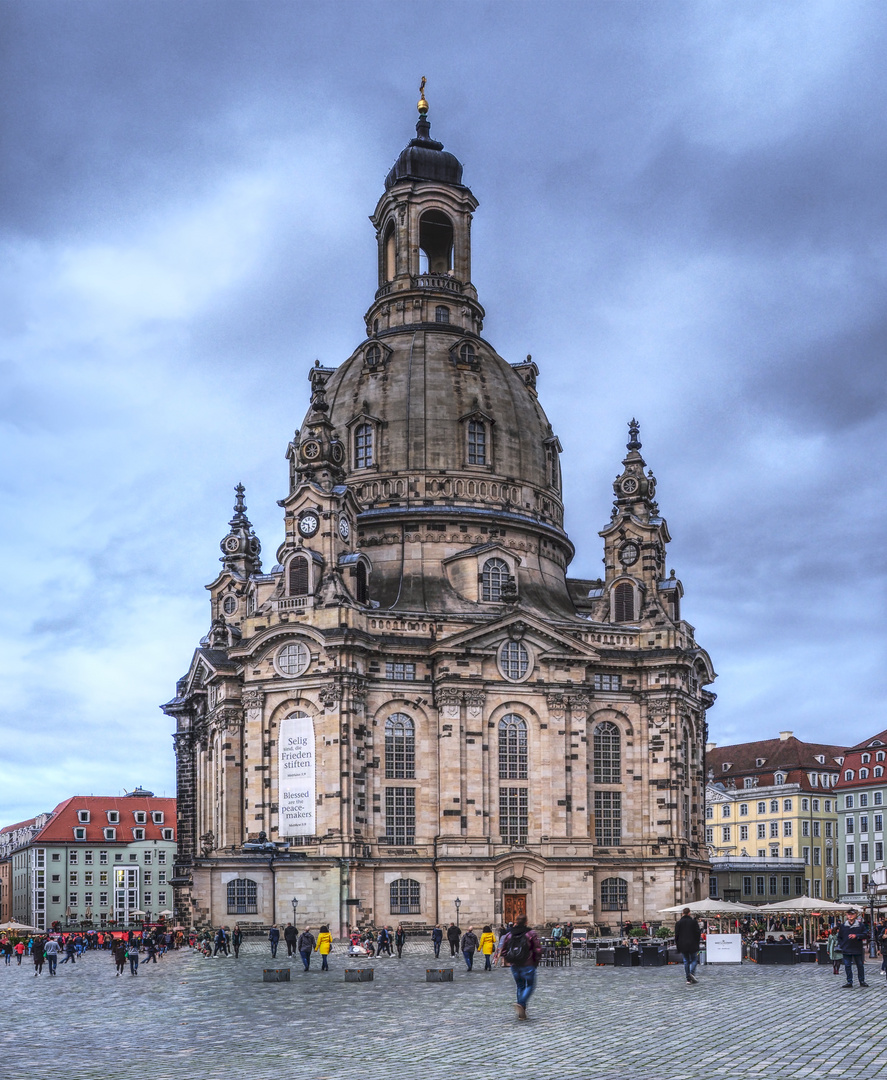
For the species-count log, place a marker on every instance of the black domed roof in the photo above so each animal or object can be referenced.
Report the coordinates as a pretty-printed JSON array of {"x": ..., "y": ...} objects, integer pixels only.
[{"x": 425, "y": 159}]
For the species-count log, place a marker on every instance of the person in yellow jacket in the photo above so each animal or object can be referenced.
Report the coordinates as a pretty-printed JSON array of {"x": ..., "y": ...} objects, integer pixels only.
[
  {"x": 488, "y": 947},
  {"x": 324, "y": 945}
]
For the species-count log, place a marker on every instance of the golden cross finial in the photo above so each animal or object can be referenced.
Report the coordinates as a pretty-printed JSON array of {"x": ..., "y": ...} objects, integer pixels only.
[{"x": 423, "y": 104}]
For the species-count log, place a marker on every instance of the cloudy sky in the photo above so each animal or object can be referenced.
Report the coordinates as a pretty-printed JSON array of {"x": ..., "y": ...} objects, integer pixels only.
[{"x": 682, "y": 218}]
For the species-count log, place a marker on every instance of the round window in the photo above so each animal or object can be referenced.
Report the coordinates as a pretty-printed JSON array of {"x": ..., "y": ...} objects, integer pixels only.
[
  {"x": 229, "y": 605},
  {"x": 514, "y": 661},
  {"x": 293, "y": 659}
]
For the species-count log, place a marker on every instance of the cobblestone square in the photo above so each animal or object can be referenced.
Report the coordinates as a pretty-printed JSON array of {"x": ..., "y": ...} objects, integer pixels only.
[{"x": 191, "y": 1018}]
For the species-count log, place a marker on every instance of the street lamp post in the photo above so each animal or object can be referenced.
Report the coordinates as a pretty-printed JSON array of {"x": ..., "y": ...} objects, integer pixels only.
[
  {"x": 295, "y": 904},
  {"x": 458, "y": 904},
  {"x": 872, "y": 889}
]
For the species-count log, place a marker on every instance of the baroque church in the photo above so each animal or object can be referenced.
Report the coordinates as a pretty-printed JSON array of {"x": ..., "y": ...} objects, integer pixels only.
[{"x": 416, "y": 715}]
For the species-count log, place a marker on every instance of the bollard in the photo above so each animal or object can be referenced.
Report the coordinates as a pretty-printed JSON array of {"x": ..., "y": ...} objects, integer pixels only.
[
  {"x": 438, "y": 975},
  {"x": 358, "y": 975},
  {"x": 275, "y": 975}
]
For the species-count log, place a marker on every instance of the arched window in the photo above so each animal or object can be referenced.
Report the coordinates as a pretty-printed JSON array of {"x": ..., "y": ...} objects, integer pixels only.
[
  {"x": 477, "y": 442},
  {"x": 848, "y": 775},
  {"x": 623, "y": 603},
  {"x": 779, "y": 778},
  {"x": 879, "y": 756},
  {"x": 435, "y": 243},
  {"x": 866, "y": 758},
  {"x": 614, "y": 894},
  {"x": 400, "y": 747},
  {"x": 515, "y": 883},
  {"x": 863, "y": 774},
  {"x": 879, "y": 770},
  {"x": 512, "y": 747},
  {"x": 363, "y": 446},
  {"x": 493, "y": 577},
  {"x": 298, "y": 576},
  {"x": 467, "y": 355},
  {"x": 405, "y": 897},
  {"x": 373, "y": 355},
  {"x": 607, "y": 754},
  {"x": 242, "y": 897},
  {"x": 441, "y": 314},
  {"x": 390, "y": 253},
  {"x": 361, "y": 588}
]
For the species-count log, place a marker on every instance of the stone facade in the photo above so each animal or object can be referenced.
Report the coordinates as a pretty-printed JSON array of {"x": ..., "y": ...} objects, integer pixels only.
[{"x": 485, "y": 728}]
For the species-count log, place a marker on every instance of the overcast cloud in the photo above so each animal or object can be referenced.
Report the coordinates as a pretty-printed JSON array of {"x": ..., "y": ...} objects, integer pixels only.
[{"x": 682, "y": 218}]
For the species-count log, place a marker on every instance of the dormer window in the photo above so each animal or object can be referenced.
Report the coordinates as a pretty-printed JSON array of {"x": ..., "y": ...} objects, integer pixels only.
[
  {"x": 83, "y": 816},
  {"x": 848, "y": 775},
  {"x": 863, "y": 774},
  {"x": 779, "y": 778},
  {"x": 879, "y": 756},
  {"x": 109, "y": 834},
  {"x": 726, "y": 766},
  {"x": 361, "y": 584},
  {"x": 166, "y": 834},
  {"x": 140, "y": 817},
  {"x": 493, "y": 577},
  {"x": 373, "y": 356},
  {"x": 821, "y": 759},
  {"x": 477, "y": 442},
  {"x": 157, "y": 817},
  {"x": 623, "y": 602},
  {"x": 363, "y": 446},
  {"x": 80, "y": 833},
  {"x": 138, "y": 834},
  {"x": 297, "y": 576},
  {"x": 467, "y": 355},
  {"x": 759, "y": 762},
  {"x": 866, "y": 758},
  {"x": 113, "y": 817}
]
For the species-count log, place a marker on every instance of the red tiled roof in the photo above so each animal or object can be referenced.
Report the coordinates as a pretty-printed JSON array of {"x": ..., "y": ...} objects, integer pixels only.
[
  {"x": 853, "y": 760},
  {"x": 790, "y": 756},
  {"x": 18, "y": 825},
  {"x": 60, "y": 827}
]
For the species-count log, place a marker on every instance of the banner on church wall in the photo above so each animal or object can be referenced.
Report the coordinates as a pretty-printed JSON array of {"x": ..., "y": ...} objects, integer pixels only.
[{"x": 297, "y": 790}]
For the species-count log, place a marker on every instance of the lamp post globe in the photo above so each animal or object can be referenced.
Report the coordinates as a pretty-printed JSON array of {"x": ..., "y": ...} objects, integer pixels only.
[{"x": 458, "y": 904}]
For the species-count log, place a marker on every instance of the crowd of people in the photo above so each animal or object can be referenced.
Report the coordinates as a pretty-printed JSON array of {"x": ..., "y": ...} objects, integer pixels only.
[{"x": 56, "y": 948}]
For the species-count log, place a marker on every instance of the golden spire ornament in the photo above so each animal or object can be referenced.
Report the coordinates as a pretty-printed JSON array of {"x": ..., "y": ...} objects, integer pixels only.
[{"x": 423, "y": 104}]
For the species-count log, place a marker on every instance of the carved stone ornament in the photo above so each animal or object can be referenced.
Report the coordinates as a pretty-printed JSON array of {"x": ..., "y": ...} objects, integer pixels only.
[
  {"x": 330, "y": 695},
  {"x": 578, "y": 704},
  {"x": 474, "y": 701},
  {"x": 657, "y": 711},
  {"x": 447, "y": 697},
  {"x": 183, "y": 746},
  {"x": 252, "y": 699},
  {"x": 208, "y": 843},
  {"x": 557, "y": 706}
]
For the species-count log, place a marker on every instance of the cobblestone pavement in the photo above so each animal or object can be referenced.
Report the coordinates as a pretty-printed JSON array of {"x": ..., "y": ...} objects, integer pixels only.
[{"x": 189, "y": 1018}]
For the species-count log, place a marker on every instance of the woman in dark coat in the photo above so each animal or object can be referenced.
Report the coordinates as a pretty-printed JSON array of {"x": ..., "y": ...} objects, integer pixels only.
[
  {"x": 37, "y": 953},
  {"x": 237, "y": 940},
  {"x": 400, "y": 937}
]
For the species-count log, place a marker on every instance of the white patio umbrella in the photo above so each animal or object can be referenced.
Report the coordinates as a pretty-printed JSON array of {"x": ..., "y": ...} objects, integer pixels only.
[
  {"x": 711, "y": 907},
  {"x": 805, "y": 906},
  {"x": 20, "y": 928}
]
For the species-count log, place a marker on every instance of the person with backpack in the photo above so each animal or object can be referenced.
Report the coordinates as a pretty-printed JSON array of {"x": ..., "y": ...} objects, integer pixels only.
[
  {"x": 436, "y": 939},
  {"x": 521, "y": 950}
]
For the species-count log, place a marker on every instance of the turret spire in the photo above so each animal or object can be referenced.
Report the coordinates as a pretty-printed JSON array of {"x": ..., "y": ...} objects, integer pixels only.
[{"x": 241, "y": 547}]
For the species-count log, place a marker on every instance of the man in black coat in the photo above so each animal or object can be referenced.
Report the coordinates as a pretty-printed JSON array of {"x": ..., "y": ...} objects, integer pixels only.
[
  {"x": 852, "y": 936},
  {"x": 290, "y": 935},
  {"x": 687, "y": 935},
  {"x": 453, "y": 936}
]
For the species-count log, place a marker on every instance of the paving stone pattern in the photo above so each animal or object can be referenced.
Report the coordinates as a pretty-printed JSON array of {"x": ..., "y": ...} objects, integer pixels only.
[{"x": 190, "y": 1018}]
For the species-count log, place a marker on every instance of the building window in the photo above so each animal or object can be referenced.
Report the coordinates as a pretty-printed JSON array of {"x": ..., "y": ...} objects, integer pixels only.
[
  {"x": 109, "y": 834},
  {"x": 603, "y": 681},
  {"x": 157, "y": 817},
  {"x": 788, "y": 853},
  {"x": 467, "y": 355},
  {"x": 512, "y": 747},
  {"x": 161, "y": 855},
  {"x": 879, "y": 798},
  {"x": 607, "y": 754},
  {"x": 614, "y": 894},
  {"x": 774, "y": 829},
  {"x": 709, "y": 812},
  {"x": 848, "y": 802},
  {"x": 725, "y": 810},
  {"x": 786, "y": 828},
  {"x": 762, "y": 831},
  {"x": 477, "y": 442},
  {"x": 879, "y": 822},
  {"x": 759, "y": 886},
  {"x": 404, "y": 897},
  {"x": 816, "y": 828},
  {"x": 400, "y": 747},
  {"x": 161, "y": 898},
  {"x": 147, "y": 858},
  {"x": 493, "y": 577},
  {"x": 774, "y": 806},
  {"x": 400, "y": 672},
  {"x": 73, "y": 880},
  {"x": 138, "y": 834},
  {"x": 709, "y": 835},
  {"x": 148, "y": 877},
  {"x": 514, "y": 819},
  {"x": 363, "y": 446},
  {"x": 879, "y": 851},
  {"x": 828, "y": 828},
  {"x": 786, "y": 886},
  {"x": 725, "y": 834},
  {"x": 863, "y": 853},
  {"x": 441, "y": 314},
  {"x": 79, "y": 834},
  {"x": 762, "y": 808},
  {"x": 514, "y": 661},
  {"x": 623, "y": 603},
  {"x": 743, "y": 809},
  {"x": 817, "y": 888},
  {"x": 293, "y": 659},
  {"x": 863, "y": 823},
  {"x": 787, "y": 805},
  {"x": 298, "y": 576},
  {"x": 607, "y": 818},
  {"x": 864, "y": 799},
  {"x": 743, "y": 832},
  {"x": 400, "y": 816},
  {"x": 103, "y": 858},
  {"x": 746, "y": 886},
  {"x": 83, "y": 816},
  {"x": 361, "y": 584},
  {"x": 242, "y": 897}
]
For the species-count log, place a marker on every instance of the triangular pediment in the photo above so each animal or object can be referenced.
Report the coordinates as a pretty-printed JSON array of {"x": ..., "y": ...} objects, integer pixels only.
[
  {"x": 549, "y": 640},
  {"x": 492, "y": 547},
  {"x": 204, "y": 665}
]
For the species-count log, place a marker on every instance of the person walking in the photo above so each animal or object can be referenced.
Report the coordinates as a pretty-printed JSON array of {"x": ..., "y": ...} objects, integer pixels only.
[
  {"x": 469, "y": 945},
  {"x": 488, "y": 947},
  {"x": 453, "y": 938},
  {"x": 290, "y": 934},
  {"x": 324, "y": 946},
  {"x": 305, "y": 944},
  {"x": 436, "y": 939},
  {"x": 383, "y": 941},
  {"x": 118, "y": 954},
  {"x": 132, "y": 952},
  {"x": 400, "y": 937},
  {"x": 833, "y": 953},
  {"x": 521, "y": 950},
  {"x": 69, "y": 951},
  {"x": 852, "y": 936},
  {"x": 19, "y": 951},
  {"x": 221, "y": 942},
  {"x": 237, "y": 940},
  {"x": 51, "y": 949},
  {"x": 274, "y": 938},
  {"x": 687, "y": 935},
  {"x": 37, "y": 955}
]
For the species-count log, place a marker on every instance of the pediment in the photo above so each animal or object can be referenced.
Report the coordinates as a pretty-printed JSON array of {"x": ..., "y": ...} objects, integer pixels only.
[
  {"x": 204, "y": 665},
  {"x": 492, "y": 548},
  {"x": 549, "y": 641}
]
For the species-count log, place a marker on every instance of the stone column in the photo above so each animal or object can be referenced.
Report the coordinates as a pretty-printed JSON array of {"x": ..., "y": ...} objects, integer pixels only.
[
  {"x": 473, "y": 787},
  {"x": 449, "y": 706}
]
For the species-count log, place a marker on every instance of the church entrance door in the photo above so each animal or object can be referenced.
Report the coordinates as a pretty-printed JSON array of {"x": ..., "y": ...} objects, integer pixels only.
[{"x": 514, "y": 904}]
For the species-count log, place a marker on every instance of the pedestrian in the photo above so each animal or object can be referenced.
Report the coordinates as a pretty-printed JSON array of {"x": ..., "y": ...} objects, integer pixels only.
[
  {"x": 687, "y": 935},
  {"x": 436, "y": 939},
  {"x": 833, "y": 953},
  {"x": 236, "y": 939},
  {"x": 6, "y": 949},
  {"x": 324, "y": 946},
  {"x": 290, "y": 934},
  {"x": 453, "y": 938},
  {"x": 37, "y": 955},
  {"x": 19, "y": 951},
  {"x": 119, "y": 955},
  {"x": 133, "y": 953},
  {"x": 852, "y": 936},
  {"x": 468, "y": 946},
  {"x": 221, "y": 942},
  {"x": 383, "y": 941},
  {"x": 488, "y": 947},
  {"x": 521, "y": 950},
  {"x": 400, "y": 937},
  {"x": 69, "y": 951},
  {"x": 274, "y": 938},
  {"x": 305, "y": 944},
  {"x": 150, "y": 952},
  {"x": 51, "y": 949}
]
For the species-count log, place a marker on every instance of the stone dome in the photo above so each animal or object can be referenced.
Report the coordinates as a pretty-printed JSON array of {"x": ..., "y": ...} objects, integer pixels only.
[{"x": 425, "y": 159}]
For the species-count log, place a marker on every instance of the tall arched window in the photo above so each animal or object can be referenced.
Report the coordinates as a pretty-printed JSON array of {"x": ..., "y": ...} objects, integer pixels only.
[
  {"x": 512, "y": 747},
  {"x": 390, "y": 253},
  {"x": 623, "y": 605},
  {"x": 242, "y": 897},
  {"x": 298, "y": 576},
  {"x": 435, "y": 243},
  {"x": 361, "y": 588},
  {"x": 363, "y": 446},
  {"x": 614, "y": 894},
  {"x": 477, "y": 442},
  {"x": 400, "y": 747},
  {"x": 607, "y": 754},
  {"x": 493, "y": 577},
  {"x": 405, "y": 895}
]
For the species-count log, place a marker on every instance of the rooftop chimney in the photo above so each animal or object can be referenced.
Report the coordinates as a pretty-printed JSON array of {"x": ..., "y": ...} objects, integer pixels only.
[
  {"x": 709, "y": 746},
  {"x": 783, "y": 735}
]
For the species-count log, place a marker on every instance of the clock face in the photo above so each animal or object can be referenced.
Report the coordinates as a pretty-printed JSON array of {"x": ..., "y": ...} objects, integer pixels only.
[
  {"x": 232, "y": 543},
  {"x": 629, "y": 485},
  {"x": 629, "y": 554},
  {"x": 311, "y": 450},
  {"x": 308, "y": 524},
  {"x": 344, "y": 528}
]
